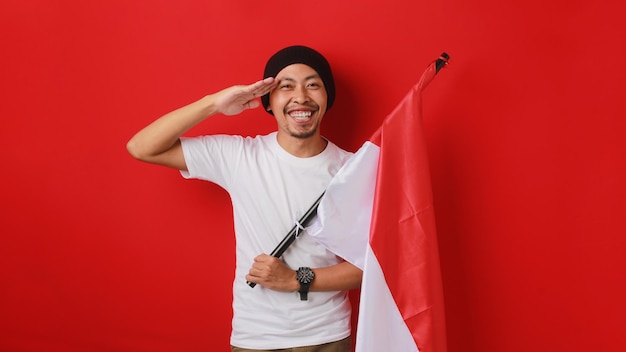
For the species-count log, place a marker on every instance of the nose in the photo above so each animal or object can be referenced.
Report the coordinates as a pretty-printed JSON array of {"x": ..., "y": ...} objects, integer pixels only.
[{"x": 300, "y": 95}]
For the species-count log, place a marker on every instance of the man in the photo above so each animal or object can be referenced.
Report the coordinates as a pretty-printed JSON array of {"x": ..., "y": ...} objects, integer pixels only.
[{"x": 272, "y": 181}]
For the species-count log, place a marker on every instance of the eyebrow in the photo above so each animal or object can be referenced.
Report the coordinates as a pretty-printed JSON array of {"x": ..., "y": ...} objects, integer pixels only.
[{"x": 315, "y": 75}]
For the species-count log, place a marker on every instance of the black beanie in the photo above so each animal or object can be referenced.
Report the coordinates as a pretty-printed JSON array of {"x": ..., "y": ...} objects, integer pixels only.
[{"x": 299, "y": 54}]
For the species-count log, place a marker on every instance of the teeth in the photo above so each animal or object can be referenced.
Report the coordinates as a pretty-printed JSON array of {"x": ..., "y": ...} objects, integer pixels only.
[{"x": 301, "y": 114}]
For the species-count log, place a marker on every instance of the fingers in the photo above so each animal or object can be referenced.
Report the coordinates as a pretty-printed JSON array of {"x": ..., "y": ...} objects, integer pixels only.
[
  {"x": 263, "y": 257},
  {"x": 251, "y": 104},
  {"x": 264, "y": 262},
  {"x": 262, "y": 87},
  {"x": 268, "y": 271},
  {"x": 259, "y": 272},
  {"x": 259, "y": 89},
  {"x": 260, "y": 266}
]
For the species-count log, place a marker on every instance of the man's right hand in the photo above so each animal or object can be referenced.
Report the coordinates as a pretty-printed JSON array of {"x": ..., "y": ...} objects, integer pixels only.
[{"x": 236, "y": 99}]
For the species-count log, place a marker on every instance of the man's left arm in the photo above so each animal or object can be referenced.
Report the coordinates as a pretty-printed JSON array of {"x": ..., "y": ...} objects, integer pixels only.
[{"x": 273, "y": 273}]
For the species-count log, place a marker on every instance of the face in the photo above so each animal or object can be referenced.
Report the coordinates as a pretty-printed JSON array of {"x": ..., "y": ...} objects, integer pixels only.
[{"x": 299, "y": 101}]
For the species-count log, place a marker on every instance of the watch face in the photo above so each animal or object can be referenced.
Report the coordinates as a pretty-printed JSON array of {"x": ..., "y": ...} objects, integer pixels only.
[{"x": 305, "y": 275}]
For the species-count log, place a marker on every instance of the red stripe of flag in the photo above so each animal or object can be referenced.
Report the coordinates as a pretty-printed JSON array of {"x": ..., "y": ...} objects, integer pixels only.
[{"x": 403, "y": 235}]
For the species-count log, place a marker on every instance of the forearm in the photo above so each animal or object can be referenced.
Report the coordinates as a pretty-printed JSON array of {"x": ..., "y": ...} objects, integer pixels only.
[
  {"x": 339, "y": 277},
  {"x": 274, "y": 274},
  {"x": 162, "y": 134}
]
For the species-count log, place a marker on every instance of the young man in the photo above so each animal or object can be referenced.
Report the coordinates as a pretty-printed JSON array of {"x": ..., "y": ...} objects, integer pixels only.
[{"x": 272, "y": 181}]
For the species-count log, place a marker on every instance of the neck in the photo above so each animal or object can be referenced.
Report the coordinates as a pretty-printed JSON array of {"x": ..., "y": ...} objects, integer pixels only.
[{"x": 302, "y": 147}]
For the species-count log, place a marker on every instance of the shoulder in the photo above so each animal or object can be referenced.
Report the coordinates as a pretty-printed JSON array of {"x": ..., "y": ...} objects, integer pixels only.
[{"x": 339, "y": 153}]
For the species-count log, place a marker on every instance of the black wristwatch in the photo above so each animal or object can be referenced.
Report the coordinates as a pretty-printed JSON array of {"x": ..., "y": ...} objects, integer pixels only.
[{"x": 305, "y": 276}]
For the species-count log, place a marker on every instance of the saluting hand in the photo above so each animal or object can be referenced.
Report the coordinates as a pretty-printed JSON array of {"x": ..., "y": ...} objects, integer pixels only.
[{"x": 235, "y": 99}]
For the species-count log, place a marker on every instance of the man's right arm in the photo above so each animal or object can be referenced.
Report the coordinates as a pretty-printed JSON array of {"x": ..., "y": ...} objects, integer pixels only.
[{"x": 159, "y": 142}]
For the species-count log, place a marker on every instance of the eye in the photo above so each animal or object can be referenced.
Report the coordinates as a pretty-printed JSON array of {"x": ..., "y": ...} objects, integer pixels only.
[
  {"x": 285, "y": 85},
  {"x": 314, "y": 85}
]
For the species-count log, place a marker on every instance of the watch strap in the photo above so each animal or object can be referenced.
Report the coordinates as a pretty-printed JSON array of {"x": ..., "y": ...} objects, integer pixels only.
[{"x": 305, "y": 276}]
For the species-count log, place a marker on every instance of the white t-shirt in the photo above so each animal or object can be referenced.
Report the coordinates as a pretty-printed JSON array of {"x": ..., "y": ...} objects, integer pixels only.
[{"x": 270, "y": 189}]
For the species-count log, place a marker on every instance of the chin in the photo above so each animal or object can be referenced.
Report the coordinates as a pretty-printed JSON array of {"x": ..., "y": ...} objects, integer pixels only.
[{"x": 303, "y": 135}]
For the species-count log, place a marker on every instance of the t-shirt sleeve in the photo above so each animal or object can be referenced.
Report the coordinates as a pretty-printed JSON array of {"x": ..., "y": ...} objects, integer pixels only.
[{"x": 211, "y": 158}]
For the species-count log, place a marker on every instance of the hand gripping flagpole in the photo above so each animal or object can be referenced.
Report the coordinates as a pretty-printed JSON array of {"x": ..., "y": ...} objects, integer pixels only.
[
  {"x": 293, "y": 233},
  {"x": 312, "y": 212}
]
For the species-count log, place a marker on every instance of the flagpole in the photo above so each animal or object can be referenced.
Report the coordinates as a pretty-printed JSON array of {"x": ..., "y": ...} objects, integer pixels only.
[{"x": 441, "y": 61}]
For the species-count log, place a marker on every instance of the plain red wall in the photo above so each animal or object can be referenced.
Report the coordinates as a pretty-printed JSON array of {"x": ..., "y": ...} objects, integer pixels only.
[{"x": 525, "y": 128}]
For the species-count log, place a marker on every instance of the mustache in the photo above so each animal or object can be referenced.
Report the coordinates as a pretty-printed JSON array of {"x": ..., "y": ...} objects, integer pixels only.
[{"x": 309, "y": 105}]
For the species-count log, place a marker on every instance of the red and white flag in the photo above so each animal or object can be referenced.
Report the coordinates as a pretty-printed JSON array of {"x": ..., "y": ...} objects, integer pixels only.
[{"x": 377, "y": 213}]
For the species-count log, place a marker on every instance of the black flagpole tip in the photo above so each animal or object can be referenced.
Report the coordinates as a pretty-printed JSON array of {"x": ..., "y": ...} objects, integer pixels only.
[{"x": 441, "y": 61}]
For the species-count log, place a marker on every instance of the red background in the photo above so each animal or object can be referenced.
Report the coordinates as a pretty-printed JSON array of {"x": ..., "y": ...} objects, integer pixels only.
[{"x": 525, "y": 129}]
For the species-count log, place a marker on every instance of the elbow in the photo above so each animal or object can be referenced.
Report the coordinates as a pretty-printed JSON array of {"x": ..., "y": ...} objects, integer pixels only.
[
  {"x": 135, "y": 150},
  {"x": 142, "y": 150},
  {"x": 358, "y": 280},
  {"x": 355, "y": 278}
]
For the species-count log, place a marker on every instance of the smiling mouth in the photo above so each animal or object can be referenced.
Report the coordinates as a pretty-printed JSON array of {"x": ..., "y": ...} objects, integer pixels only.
[{"x": 301, "y": 115}]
